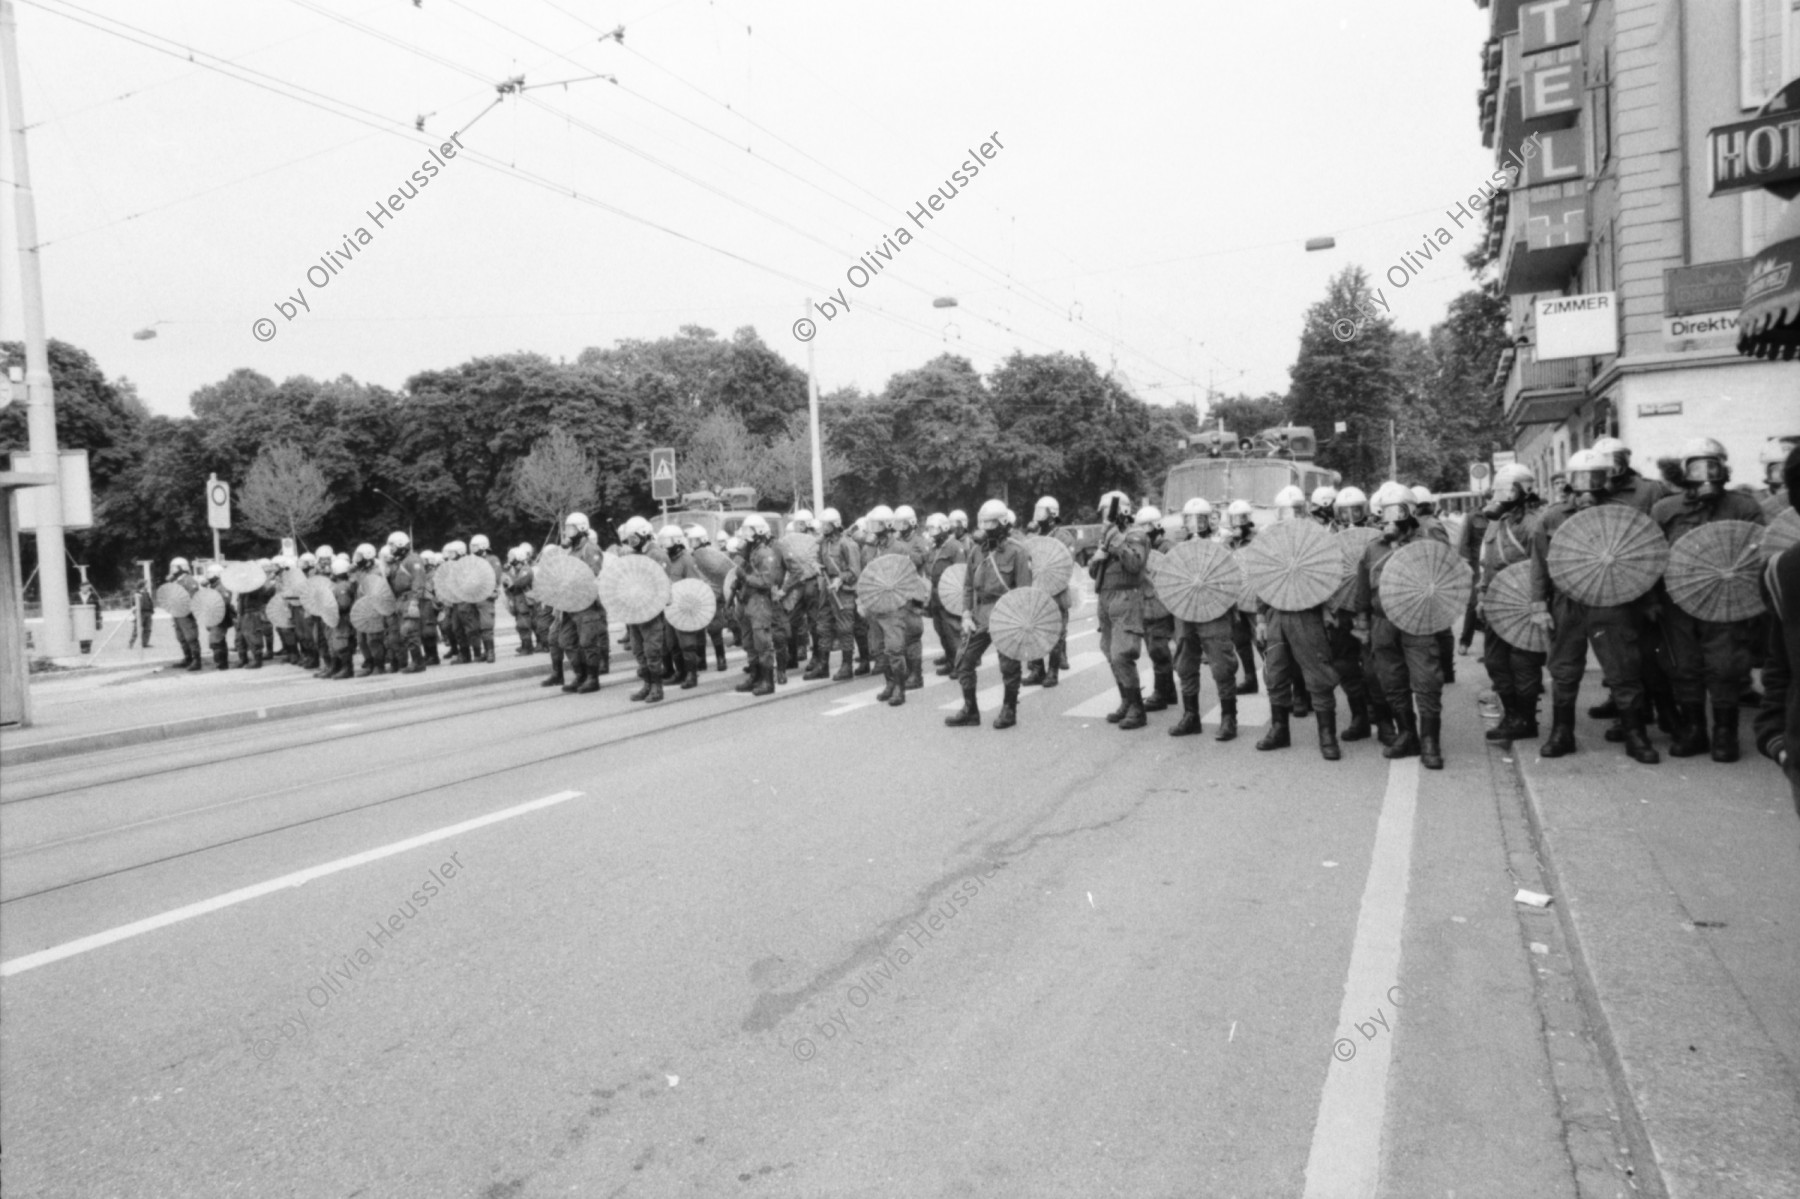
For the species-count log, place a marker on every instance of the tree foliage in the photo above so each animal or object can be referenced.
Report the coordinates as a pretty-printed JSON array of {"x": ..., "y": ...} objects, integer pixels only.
[
  {"x": 556, "y": 478},
  {"x": 284, "y": 494}
]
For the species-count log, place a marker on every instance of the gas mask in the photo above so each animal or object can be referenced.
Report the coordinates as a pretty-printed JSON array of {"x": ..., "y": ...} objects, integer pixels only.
[{"x": 1704, "y": 477}]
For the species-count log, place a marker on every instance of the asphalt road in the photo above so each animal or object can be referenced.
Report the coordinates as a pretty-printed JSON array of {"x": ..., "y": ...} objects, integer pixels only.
[{"x": 795, "y": 946}]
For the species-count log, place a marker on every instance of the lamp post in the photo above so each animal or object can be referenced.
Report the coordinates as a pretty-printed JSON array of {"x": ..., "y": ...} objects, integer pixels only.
[{"x": 404, "y": 508}]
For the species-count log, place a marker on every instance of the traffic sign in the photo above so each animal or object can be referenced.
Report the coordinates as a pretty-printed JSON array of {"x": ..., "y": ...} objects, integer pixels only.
[
  {"x": 1479, "y": 475},
  {"x": 218, "y": 502},
  {"x": 662, "y": 474}
]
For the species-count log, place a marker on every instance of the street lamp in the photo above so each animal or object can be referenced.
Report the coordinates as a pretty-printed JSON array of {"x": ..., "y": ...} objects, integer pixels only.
[{"x": 396, "y": 503}]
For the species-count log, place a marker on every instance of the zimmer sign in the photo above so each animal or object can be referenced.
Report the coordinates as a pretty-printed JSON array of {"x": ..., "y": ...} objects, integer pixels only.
[{"x": 1577, "y": 326}]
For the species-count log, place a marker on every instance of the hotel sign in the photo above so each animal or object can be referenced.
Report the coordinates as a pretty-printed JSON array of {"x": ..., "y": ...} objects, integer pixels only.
[
  {"x": 1763, "y": 151},
  {"x": 1548, "y": 24}
]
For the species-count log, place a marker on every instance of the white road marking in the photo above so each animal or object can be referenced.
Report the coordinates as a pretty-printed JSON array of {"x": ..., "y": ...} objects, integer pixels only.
[
  {"x": 1345, "y": 1160},
  {"x": 1107, "y": 700},
  {"x": 866, "y": 699},
  {"x": 299, "y": 878},
  {"x": 990, "y": 697}
]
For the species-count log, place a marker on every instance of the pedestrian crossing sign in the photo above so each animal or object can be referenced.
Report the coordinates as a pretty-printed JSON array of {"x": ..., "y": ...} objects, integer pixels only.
[{"x": 662, "y": 474}]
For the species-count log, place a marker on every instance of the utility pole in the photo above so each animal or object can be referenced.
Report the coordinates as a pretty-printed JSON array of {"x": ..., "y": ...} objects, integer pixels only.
[
  {"x": 1393, "y": 453},
  {"x": 53, "y": 572},
  {"x": 812, "y": 408}
]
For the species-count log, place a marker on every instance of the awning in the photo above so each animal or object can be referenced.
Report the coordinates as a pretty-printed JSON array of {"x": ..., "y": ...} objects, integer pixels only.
[{"x": 1769, "y": 322}]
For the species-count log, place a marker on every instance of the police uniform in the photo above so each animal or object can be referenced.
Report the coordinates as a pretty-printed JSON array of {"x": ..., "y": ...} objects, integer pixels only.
[
  {"x": 1118, "y": 574},
  {"x": 252, "y": 621},
  {"x": 648, "y": 639},
  {"x": 408, "y": 584},
  {"x": 216, "y": 637},
  {"x": 941, "y": 557},
  {"x": 1211, "y": 640},
  {"x": 913, "y": 615},
  {"x": 840, "y": 562},
  {"x": 1347, "y": 655},
  {"x": 1159, "y": 634},
  {"x": 1406, "y": 664},
  {"x": 342, "y": 636},
  {"x": 762, "y": 579},
  {"x": 1243, "y": 626},
  {"x": 1044, "y": 671},
  {"x": 992, "y": 572},
  {"x": 1617, "y": 634},
  {"x": 894, "y": 637},
  {"x": 1516, "y": 673},
  {"x": 1708, "y": 658},
  {"x": 689, "y": 649},
  {"x": 582, "y": 638},
  {"x": 517, "y": 582}
]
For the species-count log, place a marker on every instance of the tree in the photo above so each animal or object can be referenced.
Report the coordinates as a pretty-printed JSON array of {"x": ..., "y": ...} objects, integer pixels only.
[
  {"x": 1246, "y": 415},
  {"x": 1354, "y": 381},
  {"x": 556, "y": 478},
  {"x": 285, "y": 494},
  {"x": 789, "y": 456},
  {"x": 721, "y": 453}
]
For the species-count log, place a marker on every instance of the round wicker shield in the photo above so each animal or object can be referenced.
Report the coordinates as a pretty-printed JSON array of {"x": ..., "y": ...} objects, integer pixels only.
[
  {"x": 280, "y": 615},
  {"x": 321, "y": 601},
  {"x": 468, "y": 580},
  {"x": 691, "y": 605},
  {"x": 1294, "y": 565},
  {"x": 209, "y": 608},
  {"x": 1714, "y": 571},
  {"x": 366, "y": 616},
  {"x": 1608, "y": 555},
  {"x": 802, "y": 549},
  {"x": 1051, "y": 564},
  {"x": 886, "y": 584},
  {"x": 1782, "y": 533},
  {"x": 715, "y": 564},
  {"x": 375, "y": 589},
  {"x": 634, "y": 588},
  {"x": 950, "y": 588},
  {"x": 1025, "y": 623},
  {"x": 564, "y": 583},
  {"x": 1424, "y": 587},
  {"x": 1508, "y": 609},
  {"x": 240, "y": 577},
  {"x": 173, "y": 598},
  {"x": 293, "y": 583},
  {"x": 1197, "y": 580},
  {"x": 1247, "y": 598}
]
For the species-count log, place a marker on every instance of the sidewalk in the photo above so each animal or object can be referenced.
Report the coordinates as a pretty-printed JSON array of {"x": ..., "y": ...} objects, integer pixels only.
[
  {"x": 1679, "y": 887},
  {"x": 84, "y": 711}
]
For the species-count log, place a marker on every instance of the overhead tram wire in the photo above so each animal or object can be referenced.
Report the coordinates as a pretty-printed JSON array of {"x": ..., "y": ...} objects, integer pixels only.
[{"x": 406, "y": 130}]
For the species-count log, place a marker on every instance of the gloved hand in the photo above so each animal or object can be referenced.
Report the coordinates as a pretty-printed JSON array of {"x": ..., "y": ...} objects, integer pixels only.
[
  {"x": 1262, "y": 634},
  {"x": 1540, "y": 616},
  {"x": 1359, "y": 629},
  {"x": 968, "y": 624}
]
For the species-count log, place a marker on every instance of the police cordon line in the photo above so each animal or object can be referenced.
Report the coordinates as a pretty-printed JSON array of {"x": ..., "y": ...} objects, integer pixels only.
[{"x": 1342, "y": 591}]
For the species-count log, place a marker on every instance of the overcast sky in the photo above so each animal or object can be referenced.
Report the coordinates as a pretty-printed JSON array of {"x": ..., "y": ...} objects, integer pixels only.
[{"x": 1160, "y": 167}]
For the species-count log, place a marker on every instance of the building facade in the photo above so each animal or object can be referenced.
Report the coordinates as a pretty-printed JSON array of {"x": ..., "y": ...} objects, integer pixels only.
[{"x": 1608, "y": 104}]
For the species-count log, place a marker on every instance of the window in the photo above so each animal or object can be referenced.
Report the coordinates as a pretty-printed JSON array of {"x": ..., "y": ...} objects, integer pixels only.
[
  {"x": 1768, "y": 48},
  {"x": 1599, "y": 122}
]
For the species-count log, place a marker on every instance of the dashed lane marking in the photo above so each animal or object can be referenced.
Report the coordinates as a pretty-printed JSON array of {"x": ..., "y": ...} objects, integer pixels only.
[{"x": 990, "y": 697}]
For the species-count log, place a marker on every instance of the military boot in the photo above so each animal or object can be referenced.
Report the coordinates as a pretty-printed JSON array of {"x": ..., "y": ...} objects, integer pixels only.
[
  {"x": 898, "y": 698},
  {"x": 765, "y": 677},
  {"x": 417, "y": 665},
  {"x": 605, "y": 663},
  {"x": 581, "y": 673},
  {"x": 1060, "y": 659},
  {"x": 1725, "y": 734},
  {"x": 718, "y": 653},
  {"x": 1163, "y": 693},
  {"x": 1358, "y": 729},
  {"x": 943, "y": 667},
  {"x": 346, "y": 668},
  {"x": 1503, "y": 730},
  {"x": 1525, "y": 716},
  {"x": 1406, "y": 743},
  {"x": 1057, "y": 666},
  {"x": 690, "y": 672},
  {"x": 843, "y": 674},
  {"x": 556, "y": 669},
  {"x": 890, "y": 685},
  {"x": 815, "y": 669},
  {"x": 1562, "y": 732},
  {"x": 194, "y": 661},
  {"x": 431, "y": 653},
  {"x": 1302, "y": 701},
  {"x": 646, "y": 676},
  {"x": 1134, "y": 714},
  {"x": 780, "y": 670},
  {"x": 656, "y": 690},
  {"x": 1119, "y": 713},
  {"x": 1034, "y": 674},
  {"x": 862, "y": 667},
  {"x": 1637, "y": 740},
  {"x": 1385, "y": 732},
  {"x": 1247, "y": 684},
  {"x": 1605, "y": 711},
  {"x": 970, "y": 716},
  {"x": 1328, "y": 737},
  {"x": 1009, "y": 707},
  {"x": 1277, "y": 735},
  {"x": 1690, "y": 732},
  {"x": 222, "y": 658},
  {"x": 1227, "y": 720},
  {"x": 750, "y": 681},
  {"x": 1431, "y": 751},
  {"x": 525, "y": 646},
  {"x": 1189, "y": 724},
  {"x": 915, "y": 677}
]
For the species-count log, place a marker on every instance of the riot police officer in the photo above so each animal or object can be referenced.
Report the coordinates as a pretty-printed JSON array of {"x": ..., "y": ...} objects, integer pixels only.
[
  {"x": 1297, "y": 659},
  {"x": 761, "y": 579},
  {"x": 1709, "y": 659},
  {"x": 1513, "y": 512},
  {"x": 997, "y": 564},
  {"x": 1240, "y": 531},
  {"x": 1209, "y": 640},
  {"x": 945, "y": 552},
  {"x": 1117, "y": 569},
  {"x": 582, "y": 637},
  {"x": 1406, "y": 664},
  {"x": 840, "y": 564},
  {"x": 1046, "y": 521}
]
